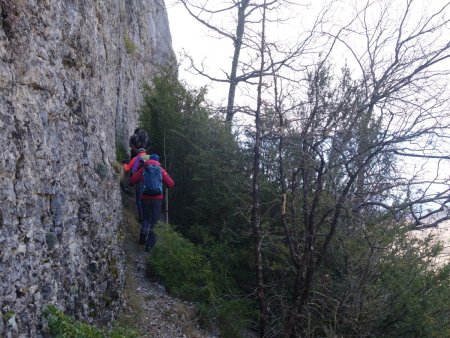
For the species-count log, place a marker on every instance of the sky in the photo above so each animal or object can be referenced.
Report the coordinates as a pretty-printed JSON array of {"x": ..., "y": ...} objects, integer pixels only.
[{"x": 189, "y": 36}]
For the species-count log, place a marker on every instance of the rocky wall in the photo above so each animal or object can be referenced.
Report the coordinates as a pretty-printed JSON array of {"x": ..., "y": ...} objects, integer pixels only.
[{"x": 71, "y": 75}]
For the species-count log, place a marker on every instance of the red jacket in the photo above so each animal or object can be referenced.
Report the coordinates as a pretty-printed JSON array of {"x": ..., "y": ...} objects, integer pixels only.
[{"x": 138, "y": 177}]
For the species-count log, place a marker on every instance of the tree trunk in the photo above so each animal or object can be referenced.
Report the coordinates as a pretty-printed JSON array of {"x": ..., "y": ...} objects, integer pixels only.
[
  {"x": 255, "y": 212},
  {"x": 240, "y": 28}
]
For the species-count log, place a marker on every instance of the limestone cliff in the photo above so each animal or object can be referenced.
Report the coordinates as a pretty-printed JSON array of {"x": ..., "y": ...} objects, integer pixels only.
[{"x": 71, "y": 74}]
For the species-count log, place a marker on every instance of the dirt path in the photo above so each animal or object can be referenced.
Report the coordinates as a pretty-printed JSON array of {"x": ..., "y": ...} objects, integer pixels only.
[{"x": 148, "y": 308}]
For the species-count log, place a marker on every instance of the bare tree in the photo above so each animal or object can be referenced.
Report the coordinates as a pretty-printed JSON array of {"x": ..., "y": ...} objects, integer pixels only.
[
  {"x": 244, "y": 36},
  {"x": 255, "y": 210},
  {"x": 243, "y": 11},
  {"x": 348, "y": 140},
  {"x": 342, "y": 143}
]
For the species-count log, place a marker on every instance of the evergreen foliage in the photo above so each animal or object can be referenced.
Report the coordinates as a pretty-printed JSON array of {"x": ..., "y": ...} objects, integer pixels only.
[
  {"x": 416, "y": 300},
  {"x": 182, "y": 266},
  {"x": 200, "y": 154},
  {"x": 63, "y": 326},
  {"x": 186, "y": 271},
  {"x": 381, "y": 282},
  {"x": 121, "y": 151},
  {"x": 208, "y": 205},
  {"x": 373, "y": 278}
]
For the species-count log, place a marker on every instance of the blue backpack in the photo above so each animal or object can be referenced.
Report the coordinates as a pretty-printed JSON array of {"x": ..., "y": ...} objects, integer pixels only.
[{"x": 152, "y": 180}]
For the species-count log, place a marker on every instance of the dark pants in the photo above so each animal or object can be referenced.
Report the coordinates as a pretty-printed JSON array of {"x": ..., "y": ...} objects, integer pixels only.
[
  {"x": 151, "y": 210},
  {"x": 139, "y": 202}
]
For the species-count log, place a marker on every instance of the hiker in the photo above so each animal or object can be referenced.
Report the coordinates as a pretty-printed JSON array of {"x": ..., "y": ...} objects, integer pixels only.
[
  {"x": 151, "y": 177},
  {"x": 138, "y": 140},
  {"x": 139, "y": 145}
]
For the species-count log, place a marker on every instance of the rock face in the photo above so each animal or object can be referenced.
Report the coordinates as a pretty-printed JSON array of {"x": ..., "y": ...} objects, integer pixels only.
[{"x": 71, "y": 75}]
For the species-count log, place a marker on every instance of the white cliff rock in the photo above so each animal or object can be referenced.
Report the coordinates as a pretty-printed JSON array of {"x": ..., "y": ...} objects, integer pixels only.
[{"x": 71, "y": 75}]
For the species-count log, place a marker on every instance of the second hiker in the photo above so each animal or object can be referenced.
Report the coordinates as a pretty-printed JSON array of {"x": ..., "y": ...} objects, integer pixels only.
[
  {"x": 151, "y": 177},
  {"x": 139, "y": 145}
]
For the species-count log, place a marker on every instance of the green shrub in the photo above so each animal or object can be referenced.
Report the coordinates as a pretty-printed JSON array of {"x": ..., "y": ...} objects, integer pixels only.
[
  {"x": 212, "y": 263},
  {"x": 416, "y": 300},
  {"x": 234, "y": 315},
  {"x": 201, "y": 155},
  {"x": 381, "y": 283},
  {"x": 186, "y": 271},
  {"x": 121, "y": 152},
  {"x": 182, "y": 266},
  {"x": 62, "y": 326},
  {"x": 130, "y": 46}
]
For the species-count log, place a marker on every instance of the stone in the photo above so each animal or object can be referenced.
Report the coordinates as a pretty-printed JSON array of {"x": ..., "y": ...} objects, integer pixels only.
[
  {"x": 69, "y": 93},
  {"x": 5, "y": 76}
]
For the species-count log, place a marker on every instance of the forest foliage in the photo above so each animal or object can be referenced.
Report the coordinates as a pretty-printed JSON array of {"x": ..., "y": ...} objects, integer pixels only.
[
  {"x": 61, "y": 325},
  {"x": 372, "y": 279}
]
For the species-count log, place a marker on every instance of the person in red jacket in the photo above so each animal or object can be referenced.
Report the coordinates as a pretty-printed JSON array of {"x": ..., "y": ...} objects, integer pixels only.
[
  {"x": 139, "y": 144},
  {"x": 151, "y": 204}
]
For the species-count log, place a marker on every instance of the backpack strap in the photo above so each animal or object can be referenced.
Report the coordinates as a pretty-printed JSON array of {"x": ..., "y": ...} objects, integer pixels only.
[{"x": 139, "y": 162}]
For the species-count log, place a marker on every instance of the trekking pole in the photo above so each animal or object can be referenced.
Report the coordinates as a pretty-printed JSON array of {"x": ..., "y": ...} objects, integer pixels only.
[
  {"x": 167, "y": 205},
  {"x": 167, "y": 190}
]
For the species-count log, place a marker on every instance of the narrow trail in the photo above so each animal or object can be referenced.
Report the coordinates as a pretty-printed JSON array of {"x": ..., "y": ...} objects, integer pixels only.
[{"x": 148, "y": 308}]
